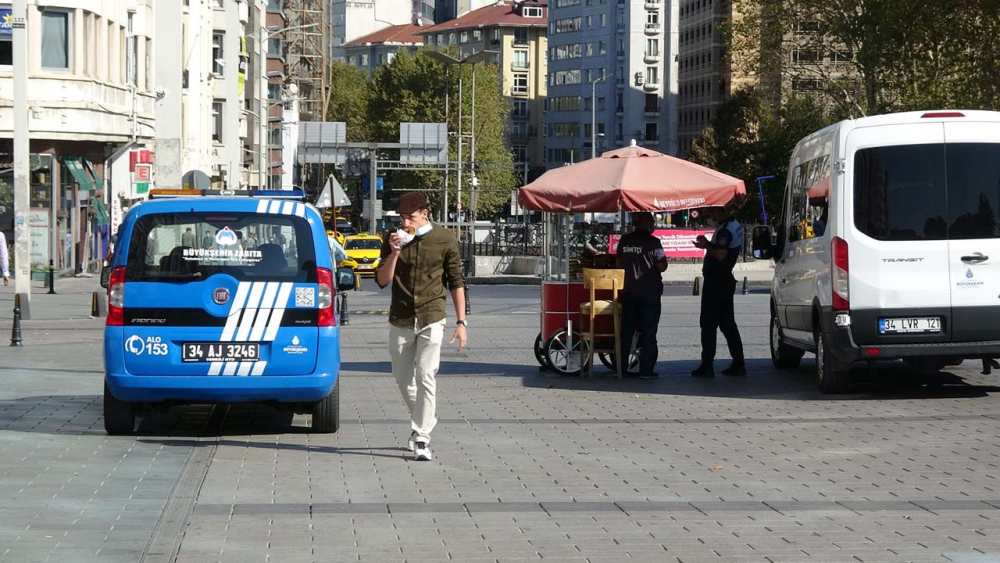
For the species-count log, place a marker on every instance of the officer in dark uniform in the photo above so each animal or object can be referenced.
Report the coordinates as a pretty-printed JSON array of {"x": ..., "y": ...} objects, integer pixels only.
[
  {"x": 717, "y": 311},
  {"x": 640, "y": 254}
]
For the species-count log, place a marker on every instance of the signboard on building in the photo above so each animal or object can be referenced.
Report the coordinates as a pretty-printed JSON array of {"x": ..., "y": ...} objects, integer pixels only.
[
  {"x": 38, "y": 225},
  {"x": 6, "y": 22}
]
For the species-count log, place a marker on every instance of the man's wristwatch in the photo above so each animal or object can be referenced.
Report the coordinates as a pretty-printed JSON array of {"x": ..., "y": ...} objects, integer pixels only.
[{"x": 462, "y": 322}]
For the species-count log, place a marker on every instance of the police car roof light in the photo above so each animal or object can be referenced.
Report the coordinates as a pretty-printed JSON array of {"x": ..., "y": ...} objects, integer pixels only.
[{"x": 296, "y": 195}]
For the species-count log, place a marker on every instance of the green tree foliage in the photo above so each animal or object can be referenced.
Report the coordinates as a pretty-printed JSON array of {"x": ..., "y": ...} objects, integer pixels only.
[
  {"x": 746, "y": 140},
  {"x": 896, "y": 54},
  {"x": 414, "y": 89},
  {"x": 349, "y": 100}
]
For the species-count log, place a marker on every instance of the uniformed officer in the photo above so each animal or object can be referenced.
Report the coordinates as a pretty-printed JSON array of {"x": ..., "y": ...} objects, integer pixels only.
[{"x": 717, "y": 311}]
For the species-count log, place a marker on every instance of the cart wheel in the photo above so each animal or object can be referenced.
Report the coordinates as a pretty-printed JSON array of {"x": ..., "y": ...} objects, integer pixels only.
[
  {"x": 540, "y": 353},
  {"x": 563, "y": 359},
  {"x": 608, "y": 359}
]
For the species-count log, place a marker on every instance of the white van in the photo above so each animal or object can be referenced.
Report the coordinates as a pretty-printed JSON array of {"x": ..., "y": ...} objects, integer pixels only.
[{"x": 889, "y": 245}]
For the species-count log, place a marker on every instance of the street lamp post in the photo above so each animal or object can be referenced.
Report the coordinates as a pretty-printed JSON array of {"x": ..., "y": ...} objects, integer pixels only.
[
  {"x": 593, "y": 113},
  {"x": 479, "y": 57},
  {"x": 266, "y": 34}
]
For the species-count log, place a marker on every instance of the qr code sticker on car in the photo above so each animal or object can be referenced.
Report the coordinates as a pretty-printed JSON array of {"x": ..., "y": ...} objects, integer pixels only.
[{"x": 305, "y": 297}]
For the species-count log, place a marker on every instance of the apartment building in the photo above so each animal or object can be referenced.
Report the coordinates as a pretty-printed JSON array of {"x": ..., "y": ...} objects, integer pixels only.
[
  {"x": 613, "y": 75},
  {"x": 517, "y": 31},
  {"x": 90, "y": 101},
  {"x": 375, "y": 49},
  {"x": 353, "y": 19}
]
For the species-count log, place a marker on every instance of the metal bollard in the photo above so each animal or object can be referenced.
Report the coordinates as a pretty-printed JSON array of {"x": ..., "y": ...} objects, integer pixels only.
[
  {"x": 52, "y": 278},
  {"x": 15, "y": 332},
  {"x": 99, "y": 305},
  {"x": 344, "y": 316},
  {"x": 746, "y": 287},
  {"x": 697, "y": 286},
  {"x": 468, "y": 304}
]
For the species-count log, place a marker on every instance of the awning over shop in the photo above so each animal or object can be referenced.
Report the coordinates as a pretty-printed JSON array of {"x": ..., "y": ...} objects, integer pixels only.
[
  {"x": 76, "y": 167},
  {"x": 100, "y": 212}
]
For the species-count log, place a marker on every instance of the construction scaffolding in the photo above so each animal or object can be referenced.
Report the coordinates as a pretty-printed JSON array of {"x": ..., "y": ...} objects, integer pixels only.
[{"x": 308, "y": 51}]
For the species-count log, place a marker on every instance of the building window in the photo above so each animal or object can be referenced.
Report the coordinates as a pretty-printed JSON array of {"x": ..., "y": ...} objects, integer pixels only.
[
  {"x": 604, "y": 20},
  {"x": 566, "y": 25},
  {"x": 564, "y": 103},
  {"x": 521, "y": 58},
  {"x": 55, "y": 39},
  {"x": 218, "y": 53},
  {"x": 520, "y": 36},
  {"x": 274, "y": 140},
  {"x": 565, "y": 129},
  {"x": 520, "y": 154},
  {"x": 465, "y": 37},
  {"x": 590, "y": 21},
  {"x": 519, "y": 130},
  {"x": 652, "y": 103},
  {"x": 520, "y": 108},
  {"x": 652, "y": 19},
  {"x": 274, "y": 92},
  {"x": 274, "y": 48},
  {"x": 600, "y": 103},
  {"x": 531, "y": 12},
  {"x": 562, "y": 77},
  {"x": 364, "y": 59},
  {"x": 652, "y": 75},
  {"x": 218, "y": 108},
  {"x": 477, "y": 34},
  {"x": 651, "y": 132},
  {"x": 520, "y": 84},
  {"x": 652, "y": 47}
]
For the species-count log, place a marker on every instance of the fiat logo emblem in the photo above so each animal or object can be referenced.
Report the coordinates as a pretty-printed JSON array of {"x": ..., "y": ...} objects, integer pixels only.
[{"x": 220, "y": 295}]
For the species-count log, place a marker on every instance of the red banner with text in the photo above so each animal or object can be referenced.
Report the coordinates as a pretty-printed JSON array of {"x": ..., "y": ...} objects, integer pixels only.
[{"x": 677, "y": 243}]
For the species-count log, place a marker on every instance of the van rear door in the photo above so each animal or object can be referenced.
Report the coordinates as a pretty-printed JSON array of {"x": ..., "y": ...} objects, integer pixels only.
[
  {"x": 973, "y": 159},
  {"x": 220, "y": 293},
  {"x": 897, "y": 234}
]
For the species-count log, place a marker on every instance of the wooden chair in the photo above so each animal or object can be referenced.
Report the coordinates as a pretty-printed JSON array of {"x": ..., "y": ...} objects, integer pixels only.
[{"x": 595, "y": 280}]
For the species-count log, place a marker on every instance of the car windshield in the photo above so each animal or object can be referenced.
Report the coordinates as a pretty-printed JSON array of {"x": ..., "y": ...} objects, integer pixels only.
[
  {"x": 247, "y": 246},
  {"x": 364, "y": 244}
]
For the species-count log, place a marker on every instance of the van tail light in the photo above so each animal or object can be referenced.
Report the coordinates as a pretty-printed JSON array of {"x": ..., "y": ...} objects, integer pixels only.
[
  {"x": 116, "y": 297},
  {"x": 324, "y": 297},
  {"x": 841, "y": 269},
  {"x": 942, "y": 114}
]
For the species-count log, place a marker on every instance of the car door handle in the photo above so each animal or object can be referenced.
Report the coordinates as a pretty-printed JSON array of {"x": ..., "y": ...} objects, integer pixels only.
[{"x": 976, "y": 258}]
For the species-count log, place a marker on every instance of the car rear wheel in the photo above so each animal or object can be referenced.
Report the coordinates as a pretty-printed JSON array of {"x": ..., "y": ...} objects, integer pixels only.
[
  {"x": 326, "y": 412},
  {"x": 783, "y": 356},
  {"x": 830, "y": 379},
  {"x": 540, "y": 352},
  {"x": 119, "y": 416}
]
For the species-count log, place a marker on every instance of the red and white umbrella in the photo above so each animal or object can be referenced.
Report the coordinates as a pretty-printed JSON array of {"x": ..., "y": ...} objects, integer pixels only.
[{"x": 631, "y": 178}]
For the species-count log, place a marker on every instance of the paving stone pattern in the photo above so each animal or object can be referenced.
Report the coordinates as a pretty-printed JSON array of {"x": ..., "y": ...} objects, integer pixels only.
[{"x": 529, "y": 466}]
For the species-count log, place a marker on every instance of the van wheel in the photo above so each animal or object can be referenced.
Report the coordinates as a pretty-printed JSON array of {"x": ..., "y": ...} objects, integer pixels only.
[
  {"x": 119, "y": 416},
  {"x": 829, "y": 379},
  {"x": 783, "y": 356},
  {"x": 326, "y": 412}
]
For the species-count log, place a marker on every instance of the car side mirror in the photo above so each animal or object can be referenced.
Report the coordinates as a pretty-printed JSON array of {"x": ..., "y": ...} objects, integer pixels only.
[
  {"x": 345, "y": 279},
  {"x": 105, "y": 276},
  {"x": 763, "y": 243}
]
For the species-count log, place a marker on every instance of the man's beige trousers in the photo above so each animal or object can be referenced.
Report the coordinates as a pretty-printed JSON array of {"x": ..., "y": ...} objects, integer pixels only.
[{"x": 416, "y": 357}]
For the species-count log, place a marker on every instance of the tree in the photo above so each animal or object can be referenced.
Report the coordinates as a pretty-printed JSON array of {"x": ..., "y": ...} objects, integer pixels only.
[
  {"x": 747, "y": 141},
  {"x": 349, "y": 99},
  {"x": 413, "y": 89}
]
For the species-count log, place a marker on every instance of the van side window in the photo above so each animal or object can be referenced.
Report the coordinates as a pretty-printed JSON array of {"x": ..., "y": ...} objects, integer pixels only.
[{"x": 810, "y": 199}]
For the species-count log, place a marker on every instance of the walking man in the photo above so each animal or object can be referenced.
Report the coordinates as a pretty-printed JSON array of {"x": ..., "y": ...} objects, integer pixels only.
[
  {"x": 420, "y": 264},
  {"x": 717, "y": 310},
  {"x": 640, "y": 254}
]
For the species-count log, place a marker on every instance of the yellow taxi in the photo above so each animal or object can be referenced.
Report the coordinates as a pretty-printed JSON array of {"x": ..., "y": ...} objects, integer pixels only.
[{"x": 365, "y": 250}]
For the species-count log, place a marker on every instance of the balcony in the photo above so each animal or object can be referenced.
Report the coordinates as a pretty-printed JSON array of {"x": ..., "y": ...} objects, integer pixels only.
[
  {"x": 520, "y": 41},
  {"x": 653, "y": 28},
  {"x": 620, "y": 82},
  {"x": 520, "y": 65},
  {"x": 619, "y": 111},
  {"x": 653, "y": 4},
  {"x": 651, "y": 58},
  {"x": 651, "y": 141},
  {"x": 521, "y": 115},
  {"x": 651, "y": 86},
  {"x": 651, "y": 111},
  {"x": 518, "y": 136},
  {"x": 620, "y": 55},
  {"x": 622, "y": 27}
]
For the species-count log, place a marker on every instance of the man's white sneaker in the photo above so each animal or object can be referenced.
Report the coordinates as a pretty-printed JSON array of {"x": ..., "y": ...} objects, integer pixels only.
[
  {"x": 422, "y": 451},
  {"x": 413, "y": 440}
]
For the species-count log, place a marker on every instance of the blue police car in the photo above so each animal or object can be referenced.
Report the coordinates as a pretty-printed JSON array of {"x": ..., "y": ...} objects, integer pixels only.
[{"x": 217, "y": 297}]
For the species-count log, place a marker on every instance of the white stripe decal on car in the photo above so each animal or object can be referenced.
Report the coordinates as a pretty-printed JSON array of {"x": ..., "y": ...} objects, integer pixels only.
[
  {"x": 275, "y": 208},
  {"x": 260, "y": 323},
  {"x": 258, "y": 368},
  {"x": 214, "y": 368},
  {"x": 279, "y": 311},
  {"x": 286, "y": 207},
  {"x": 262, "y": 206},
  {"x": 245, "y": 368},
  {"x": 234, "y": 311},
  {"x": 301, "y": 209},
  {"x": 246, "y": 323},
  {"x": 230, "y": 368}
]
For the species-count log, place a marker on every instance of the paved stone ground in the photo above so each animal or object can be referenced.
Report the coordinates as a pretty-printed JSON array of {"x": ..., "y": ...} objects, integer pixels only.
[{"x": 528, "y": 465}]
